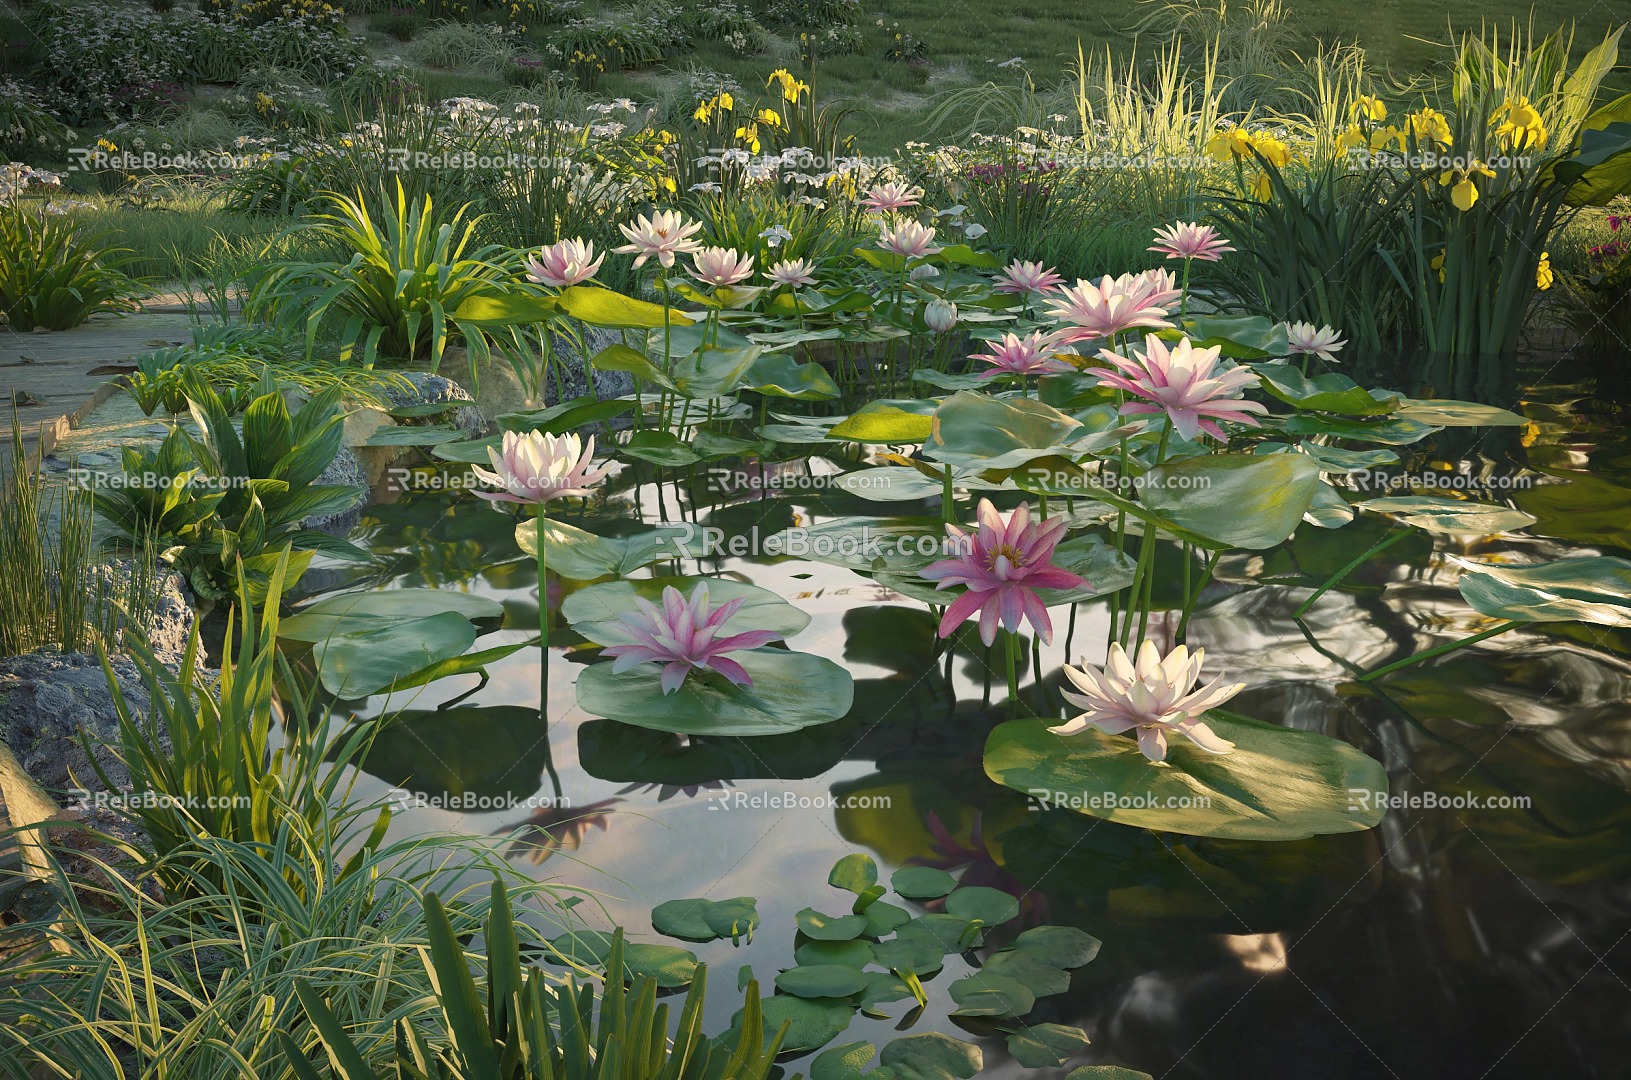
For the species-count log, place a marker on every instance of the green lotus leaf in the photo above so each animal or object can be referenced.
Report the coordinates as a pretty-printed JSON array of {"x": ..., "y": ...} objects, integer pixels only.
[
  {"x": 790, "y": 691},
  {"x": 1277, "y": 784}
]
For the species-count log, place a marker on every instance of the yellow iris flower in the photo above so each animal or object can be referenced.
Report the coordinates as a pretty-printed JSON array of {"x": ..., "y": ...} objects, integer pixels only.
[
  {"x": 1543, "y": 272},
  {"x": 1230, "y": 144},
  {"x": 1463, "y": 191},
  {"x": 1370, "y": 108},
  {"x": 1429, "y": 125},
  {"x": 1519, "y": 125}
]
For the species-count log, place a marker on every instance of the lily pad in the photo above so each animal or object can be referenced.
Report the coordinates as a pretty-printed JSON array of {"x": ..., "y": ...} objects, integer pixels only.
[
  {"x": 887, "y": 421},
  {"x": 1458, "y": 414},
  {"x": 790, "y": 691},
  {"x": 1450, "y": 515},
  {"x": 922, "y": 882},
  {"x": 821, "y": 981},
  {"x": 997, "y": 433},
  {"x": 1330, "y": 393},
  {"x": 350, "y": 612},
  {"x": 990, "y": 906},
  {"x": 889, "y": 483},
  {"x": 989, "y": 994},
  {"x": 1043, "y": 978},
  {"x": 777, "y": 374},
  {"x": 1234, "y": 500},
  {"x": 1045, "y": 1046},
  {"x": 706, "y": 920},
  {"x": 1277, "y": 784},
  {"x": 812, "y": 1022},
  {"x": 932, "y": 1057},
  {"x": 574, "y": 553},
  {"x": 364, "y": 662},
  {"x": 814, "y": 924},
  {"x": 1065, "y": 946},
  {"x": 659, "y": 448},
  {"x": 1593, "y": 589},
  {"x": 594, "y": 611}
]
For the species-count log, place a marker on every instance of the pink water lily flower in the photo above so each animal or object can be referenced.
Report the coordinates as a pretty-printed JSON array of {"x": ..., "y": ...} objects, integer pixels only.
[
  {"x": 1153, "y": 288},
  {"x": 909, "y": 239},
  {"x": 1152, "y": 698},
  {"x": 721, "y": 266},
  {"x": 1001, "y": 565},
  {"x": 682, "y": 636},
  {"x": 792, "y": 273},
  {"x": 1324, "y": 342},
  {"x": 1190, "y": 240},
  {"x": 1033, "y": 354},
  {"x": 1026, "y": 278},
  {"x": 897, "y": 195},
  {"x": 1186, "y": 383},
  {"x": 662, "y": 236},
  {"x": 563, "y": 264},
  {"x": 537, "y": 467},
  {"x": 1108, "y": 308}
]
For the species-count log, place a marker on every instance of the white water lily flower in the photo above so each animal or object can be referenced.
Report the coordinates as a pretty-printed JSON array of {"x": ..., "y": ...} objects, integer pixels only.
[{"x": 1152, "y": 698}]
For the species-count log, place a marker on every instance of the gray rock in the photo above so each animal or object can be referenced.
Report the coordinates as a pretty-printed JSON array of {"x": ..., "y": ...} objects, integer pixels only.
[
  {"x": 346, "y": 469},
  {"x": 431, "y": 389},
  {"x": 172, "y": 615},
  {"x": 574, "y": 382},
  {"x": 499, "y": 391},
  {"x": 47, "y": 699}
]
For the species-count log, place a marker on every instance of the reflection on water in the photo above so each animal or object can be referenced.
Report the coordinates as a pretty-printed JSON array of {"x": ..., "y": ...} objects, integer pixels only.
[{"x": 1446, "y": 943}]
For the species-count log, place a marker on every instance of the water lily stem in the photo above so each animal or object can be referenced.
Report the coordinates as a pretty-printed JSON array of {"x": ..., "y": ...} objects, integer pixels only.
[
  {"x": 1394, "y": 536},
  {"x": 1190, "y": 598},
  {"x": 543, "y": 622},
  {"x": 1013, "y": 672},
  {"x": 1440, "y": 650}
]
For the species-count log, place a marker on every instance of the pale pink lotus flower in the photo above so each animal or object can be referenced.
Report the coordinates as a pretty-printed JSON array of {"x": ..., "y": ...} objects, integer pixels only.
[
  {"x": 1112, "y": 306},
  {"x": 940, "y": 315},
  {"x": 896, "y": 195},
  {"x": 1303, "y": 339},
  {"x": 909, "y": 239},
  {"x": 1186, "y": 383},
  {"x": 662, "y": 236},
  {"x": 1152, "y": 288},
  {"x": 792, "y": 273},
  {"x": 1152, "y": 698},
  {"x": 566, "y": 263},
  {"x": 1001, "y": 564},
  {"x": 537, "y": 467},
  {"x": 1026, "y": 278},
  {"x": 682, "y": 636},
  {"x": 721, "y": 266},
  {"x": 1190, "y": 240},
  {"x": 1034, "y": 354}
]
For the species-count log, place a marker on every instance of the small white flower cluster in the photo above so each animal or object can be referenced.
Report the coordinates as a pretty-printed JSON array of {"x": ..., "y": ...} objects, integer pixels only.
[{"x": 16, "y": 178}]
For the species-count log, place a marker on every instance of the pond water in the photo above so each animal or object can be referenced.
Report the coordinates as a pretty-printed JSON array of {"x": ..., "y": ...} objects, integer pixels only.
[{"x": 1446, "y": 943}]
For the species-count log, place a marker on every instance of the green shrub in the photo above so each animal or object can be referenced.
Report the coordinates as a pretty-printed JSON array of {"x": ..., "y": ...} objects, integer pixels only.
[
  {"x": 226, "y": 504},
  {"x": 465, "y": 47},
  {"x": 54, "y": 273},
  {"x": 398, "y": 295},
  {"x": 401, "y": 25},
  {"x": 523, "y": 1029}
]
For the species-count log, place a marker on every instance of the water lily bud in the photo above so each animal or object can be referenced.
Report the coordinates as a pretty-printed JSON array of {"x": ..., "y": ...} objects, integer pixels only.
[{"x": 940, "y": 315}]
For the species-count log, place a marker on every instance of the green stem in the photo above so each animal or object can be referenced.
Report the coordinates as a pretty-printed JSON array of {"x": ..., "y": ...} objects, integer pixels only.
[
  {"x": 1013, "y": 671},
  {"x": 948, "y": 497},
  {"x": 1381, "y": 545},
  {"x": 1191, "y": 599},
  {"x": 543, "y": 622},
  {"x": 1439, "y": 651}
]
